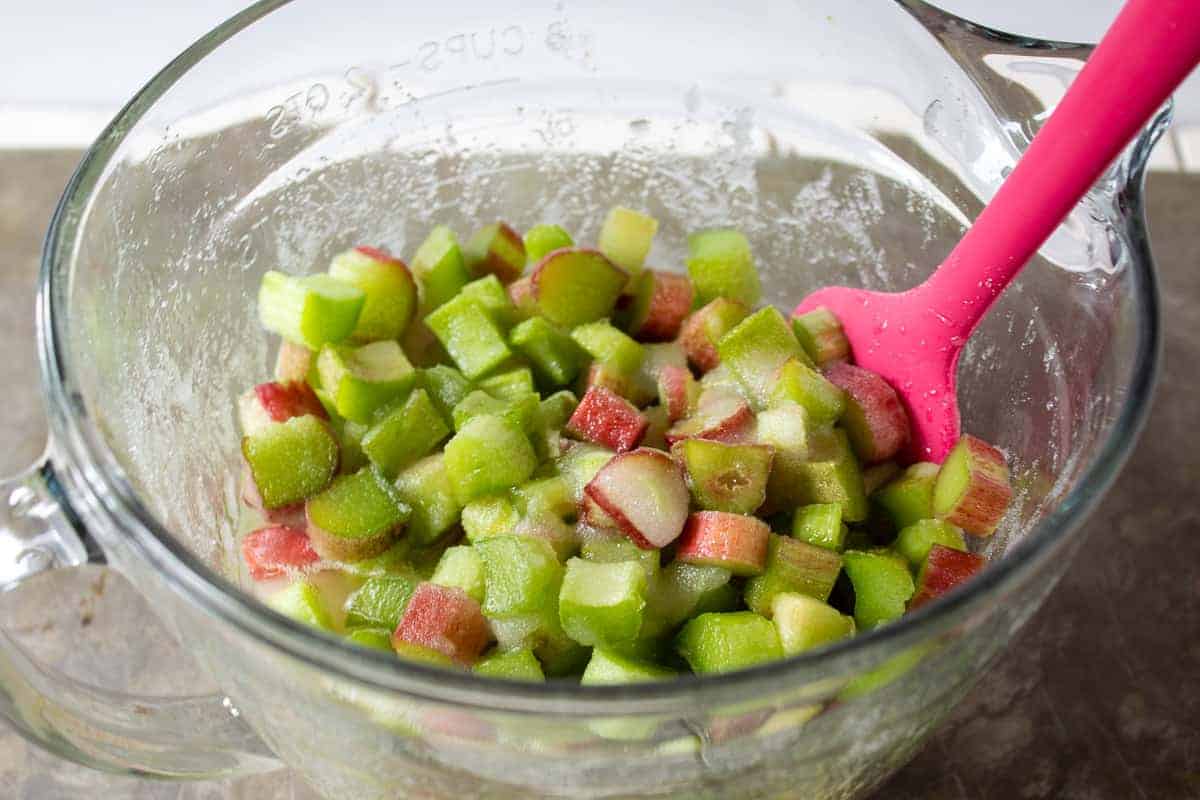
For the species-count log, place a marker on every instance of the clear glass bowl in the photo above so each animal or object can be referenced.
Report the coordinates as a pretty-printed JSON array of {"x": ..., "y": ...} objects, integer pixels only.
[{"x": 851, "y": 142}]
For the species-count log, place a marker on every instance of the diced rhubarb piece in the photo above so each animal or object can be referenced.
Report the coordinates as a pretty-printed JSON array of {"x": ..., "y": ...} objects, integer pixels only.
[
  {"x": 593, "y": 516},
  {"x": 522, "y": 411},
  {"x": 522, "y": 576},
  {"x": 678, "y": 391},
  {"x": 462, "y": 568},
  {"x": 823, "y": 401},
  {"x": 657, "y": 425},
  {"x": 489, "y": 454},
  {"x": 556, "y": 356},
  {"x": 391, "y": 292},
  {"x": 726, "y": 477},
  {"x": 914, "y": 541},
  {"x": 440, "y": 267},
  {"x": 821, "y": 335},
  {"x": 874, "y": 417},
  {"x": 380, "y": 601},
  {"x": 882, "y": 585},
  {"x": 756, "y": 349},
  {"x": 734, "y": 542},
  {"x": 619, "y": 383},
  {"x": 550, "y": 495},
  {"x": 613, "y": 548},
  {"x": 362, "y": 380},
  {"x": 831, "y": 475},
  {"x": 421, "y": 654},
  {"x": 520, "y": 294},
  {"x": 610, "y": 346},
  {"x": 446, "y": 387},
  {"x": 472, "y": 338},
  {"x": 703, "y": 329},
  {"x": 291, "y": 516},
  {"x": 312, "y": 311},
  {"x": 543, "y": 239},
  {"x": 276, "y": 402},
  {"x": 715, "y": 643},
  {"x": 607, "y": 419},
  {"x": 274, "y": 551},
  {"x": 574, "y": 286},
  {"x": 490, "y": 293},
  {"x": 404, "y": 434},
  {"x": 372, "y": 638},
  {"x": 661, "y": 301},
  {"x": 608, "y": 667},
  {"x": 721, "y": 415},
  {"x": 357, "y": 517},
  {"x": 820, "y": 524},
  {"x": 625, "y": 238},
  {"x": 294, "y": 362},
  {"x": 291, "y": 461},
  {"x": 879, "y": 475},
  {"x": 512, "y": 665},
  {"x": 909, "y": 498},
  {"x": 510, "y": 384},
  {"x": 579, "y": 464},
  {"x": 645, "y": 493},
  {"x": 804, "y": 622},
  {"x": 302, "y": 601},
  {"x": 556, "y": 409},
  {"x": 444, "y": 619},
  {"x": 721, "y": 265},
  {"x": 655, "y": 358},
  {"x": 496, "y": 515},
  {"x": 602, "y": 603},
  {"x": 943, "y": 569},
  {"x": 495, "y": 249},
  {"x": 681, "y": 591},
  {"x": 426, "y": 488},
  {"x": 550, "y": 529},
  {"x": 793, "y": 566},
  {"x": 972, "y": 489}
]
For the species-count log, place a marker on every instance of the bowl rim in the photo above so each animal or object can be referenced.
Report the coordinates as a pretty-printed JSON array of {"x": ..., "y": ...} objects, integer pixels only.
[{"x": 95, "y": 472}]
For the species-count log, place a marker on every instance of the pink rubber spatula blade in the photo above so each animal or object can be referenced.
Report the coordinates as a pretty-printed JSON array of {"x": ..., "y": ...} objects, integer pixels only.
[{"x": 914, "y": 338}]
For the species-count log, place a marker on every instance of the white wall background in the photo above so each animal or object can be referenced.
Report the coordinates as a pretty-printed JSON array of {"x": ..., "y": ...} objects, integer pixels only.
[{"x": 66, "y": 66}]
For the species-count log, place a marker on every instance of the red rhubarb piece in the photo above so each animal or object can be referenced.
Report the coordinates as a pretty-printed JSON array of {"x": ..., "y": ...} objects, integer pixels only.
[
  {"x": 444, "y": 619},
  {"x": 874, "y": 416},
  {"x": 944, "y": 569},
  {"x": 270, "y": 552},
  {"x": 608, "y": 419}
]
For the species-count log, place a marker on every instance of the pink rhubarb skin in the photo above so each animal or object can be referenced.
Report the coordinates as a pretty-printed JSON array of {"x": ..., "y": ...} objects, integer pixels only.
[{"x": 914, "y": 338}]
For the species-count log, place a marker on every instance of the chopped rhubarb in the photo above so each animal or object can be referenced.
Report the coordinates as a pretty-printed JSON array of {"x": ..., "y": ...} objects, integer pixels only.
[
  {"x": 274, "y": 551},
  {"x": 645, "y": 493},
  {"x": 576, "y": 286},
  {"x": 444, "y": 619},
  {"x": 721, "y": 415},
  {"x": 495, "y": 249},
  {"x": 972, "y": 489},
  {"x": 726, "y": 477},
  {"x": 874, "y": 417},
  {"x": 391, "y": 292},
  {"x": 661, "y": 301},
  {"x": 607, "y": 419},
  {"x": 277, "y": 402},
  {"x": 626, "y": 237},
  {"x": 944, "y": 568},
  {"x": 294, "y": 362},
  {"x": 821, "y": 335},
  {"x": 734, "y": 542},
  {"x": 703, "y": 329},
  {"x": 721, "y": 265},
  {"x": 678, "y": 391}
]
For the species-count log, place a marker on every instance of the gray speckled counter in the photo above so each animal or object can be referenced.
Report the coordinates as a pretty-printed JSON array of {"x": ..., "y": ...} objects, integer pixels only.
[{"x": 1098, "y": 698}]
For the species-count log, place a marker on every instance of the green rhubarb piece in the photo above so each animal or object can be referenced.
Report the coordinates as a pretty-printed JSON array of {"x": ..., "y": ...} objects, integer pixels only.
[
  {"x": 490, "y": 516},
  {"x": 705, "y": 327},
  {"x": 804, "y": 622},
  {"x": 495, "y": 249},
  {"x": 426, "y": 488},
  {"x": 606, "y": 549},
  {"x": 580, "y": 464},
  {"x": 725, "y": 477},
  {"x": 509, "y": 385},
  {"x": 543, "y": 239},
  {"x": 909, "y": 498},
  {"x": 523, "y": 411},
  {"x": 820, "y": 334},
  {"x": 302, "y": 602},
  {"x": 550, "y": 495},
  {"x": 362, "y": 380},
  {"x": 793, "y": 566},
  {"x": 625, "y": 238},
  {"x": 608, "y": 667},
  {"x": 609, "y": 346},
  {"x": 440, "y": 267},
  {"x": 523, "y": 576},
  {"x": 557, "y": 409},
  {"x": 514, "y": 665},
  {"x": 832, "y": 475},
  {"x": 393, "y": 561},
  {"x": 914, "y": 541},
  {"x": 555, "y": 355},
  {"x": 462, "y": 568},
  {"x": 755, "y": 350},
  {"x": 446, "y": 387},
  {"x": 973, "y": 489},
  {"x": 489, "y": 454},
  {"x": 312, "y": 311},
  {"x": 714, "y": 643},
  {"x": 291, "y": 461},
  {"x": 421, "y": 654},
  {"x": 681, "y": 591},
  {"x": 550, "y": 529},
  {"x": 470, "y": 336},
  {"x": 785, "y": 429},
  {"x": 882, "y": 585},
  {"x": 391, "y": 293},
  {"x": 721, "y": 265},
  {"x": 405, "y": 433},
  {"x": 573, "y": 287},
  {"x": 357, "y": 517},
  {"x": 380, "y": 601},
  {"x": 823, "y": 401},
  {"x": 490, "y": 293},
  {"x": 820, "y": 524},
  {"x": 602, "y": 603},
  {"x": 374, "y": 638}
]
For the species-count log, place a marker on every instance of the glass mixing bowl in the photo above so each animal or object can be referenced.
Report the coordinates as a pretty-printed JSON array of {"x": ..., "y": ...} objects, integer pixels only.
[{"x": 851, "y": 142}]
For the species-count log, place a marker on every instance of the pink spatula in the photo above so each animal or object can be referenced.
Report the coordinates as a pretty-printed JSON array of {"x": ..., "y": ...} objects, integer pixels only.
[{"x": 914, "y": 338}]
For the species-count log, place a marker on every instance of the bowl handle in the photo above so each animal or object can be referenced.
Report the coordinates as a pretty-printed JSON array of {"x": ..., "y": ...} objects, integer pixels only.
[{"x": 181, "y": 738}]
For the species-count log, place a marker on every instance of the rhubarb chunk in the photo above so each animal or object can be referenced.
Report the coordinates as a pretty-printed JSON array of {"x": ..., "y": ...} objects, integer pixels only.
[
  {"x": 302, "y": 602},
  {"x": 293, "y": 362},
  {"x": 313, "y": 311},
  {"x": 734, "y": 542},
  {"x": 440, "y": 268},
  {"x": 522, "y": 576},
  {"x": 446, "y": 620},
  {"x": 276, "y": 402},
  {"x": 291, "y": 461},
  {"x": 470, "y": 336},
  {"x": 495, "y": 249},
  {"x": 914, "y": 541},
  {"x": 874, "y": 417},
  {"x": 972, "y": 489},
  {"x": 661, "y": 302},
  {"x": 823, "y": 401},
  {"x": 625, "y": 238},
  {"x": 804, "y": 622},
  {"x": 725, "y": 477},
  {"x": 820, "y": 524},
  {"x": 543, "y": 239},
  {"x": 276, "y": 550},
  {"x": 609, "y": 346},
  {"x": 380, "y": 601},
  {"x": 882, "y": 586},
  {"x": 489, "y": 454},
  {"x": 556, "y": 356},
  {"x": 389, "y": 289},
  {"x": 426, "y": 488},
  {"x": 579, "y": 464},
  {"x": 606, "y": 419},
  {"x": 404, "y": 434},
  {"x": 944, "y": 568},
  {"x": 820, "y": 334},
  {"x": 608, "y": 668},
  {"x": 681, "y": 591},
  {"x": 831, "y": 475},
  {"x": 602, "y": 603},
  {"x": 721, "y": 415},
  {"x": 514, "y": 665},
  {"x": 721, "y": 265},
  {"x": 362, "y": 380},
  {"x": 793, "y": 566},
  {"x": 703, "y": 329},
  {"x": 574, "y": 286},
  {"x": 373, "y": 638},
  {"x": 509, "y": 385},
  {"x": 446, "y": 387},
  {"x": 715, "y": 643},
  {"x": 645, "y": 493},
  {"x": 909, "y": 498},
  {"x": 461, "y": 568},
  {"x": 556, "y": 409},
  {"x": 678, "y": 392},
  {"x": 756, "y": 349},
  {"x": 357, "y": 517}
]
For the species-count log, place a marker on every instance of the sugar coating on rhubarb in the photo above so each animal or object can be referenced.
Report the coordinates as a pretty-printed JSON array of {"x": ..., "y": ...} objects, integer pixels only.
[
  {"x": 972, "y": 489},
  {"x": 575, "y": 286},
  {"x": 495, "y": 249},
  {"x": 311, "y": 311},
  {"x": 715, "y": 643},
  {"x": 357, "y": 517},
  {"x": 440, "y": 267},
  {"x": 543, "y": 239},
  {"x": 291, "y": 461},
  {"x": 602, "y": 603},
  {"x": 721, "y": 265},
  {"x": 389, "y": 289},
  {"x": 645, "y": 493},
  {"x": 488, "y": 454},
  {"x": 512, "y": 665}
]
